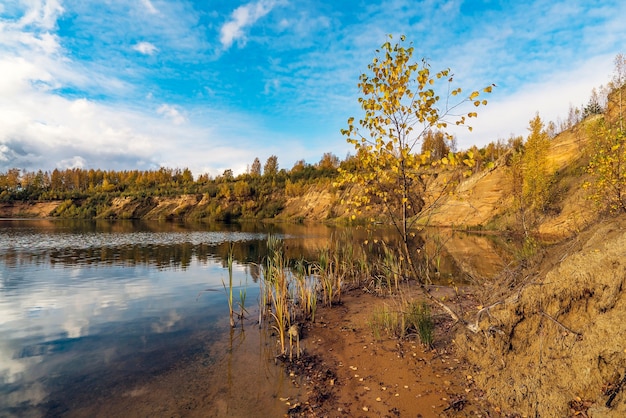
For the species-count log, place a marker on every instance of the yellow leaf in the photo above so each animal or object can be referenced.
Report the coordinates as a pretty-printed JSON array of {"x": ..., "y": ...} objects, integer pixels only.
[{"x": 474, "y": 95}]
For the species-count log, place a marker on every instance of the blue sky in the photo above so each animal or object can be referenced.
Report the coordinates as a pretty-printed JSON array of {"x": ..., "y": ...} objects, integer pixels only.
[{"x": 210, "y": 85}]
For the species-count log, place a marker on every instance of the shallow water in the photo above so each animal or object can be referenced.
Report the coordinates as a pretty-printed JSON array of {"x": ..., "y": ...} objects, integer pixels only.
[
  {"x": 103, "y": 308},
  {"x": 131, "y": 318}
]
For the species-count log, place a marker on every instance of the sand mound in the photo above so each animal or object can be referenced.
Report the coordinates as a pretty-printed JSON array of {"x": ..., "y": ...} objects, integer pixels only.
[{"x": 561, "y": 339}]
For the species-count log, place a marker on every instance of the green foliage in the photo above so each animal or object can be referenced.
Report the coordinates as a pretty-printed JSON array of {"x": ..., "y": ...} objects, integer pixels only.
[
  {"x": 607, "y": 166},
  {"x": 530, "y": 247},
  {"x": 226, "y": 198},
  {"x": 593, "y": 107},
  {"x": 403, "y": 320},
  {"x": 270, "y": 168},
  {"x": 419, "y": 319},
  {"x": 386, "y": 320}
]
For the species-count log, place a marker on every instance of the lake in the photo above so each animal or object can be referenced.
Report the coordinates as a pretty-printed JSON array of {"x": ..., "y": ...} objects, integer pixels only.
[{"x": 131, "y": 318}]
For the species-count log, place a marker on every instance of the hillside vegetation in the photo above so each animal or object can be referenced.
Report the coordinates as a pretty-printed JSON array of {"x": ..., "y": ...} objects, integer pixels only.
[{"x": 481, "y": 199}]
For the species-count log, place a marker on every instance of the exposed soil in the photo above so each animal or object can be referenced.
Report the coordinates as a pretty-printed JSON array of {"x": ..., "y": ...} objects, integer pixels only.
[
  {"x": 553, "y": 346},
  {"x": 343, "y": 372},
  {"x": 556, "y": 346},
  {"x": 346, "y": 371},
  {"x": 28, "y": 209}
]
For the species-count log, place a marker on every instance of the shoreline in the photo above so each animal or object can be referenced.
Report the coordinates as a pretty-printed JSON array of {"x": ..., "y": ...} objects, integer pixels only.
[{"x": 346, "y": 371}]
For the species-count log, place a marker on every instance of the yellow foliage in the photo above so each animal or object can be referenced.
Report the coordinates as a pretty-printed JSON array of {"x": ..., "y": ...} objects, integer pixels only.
[{"x": 399, "y": 110}]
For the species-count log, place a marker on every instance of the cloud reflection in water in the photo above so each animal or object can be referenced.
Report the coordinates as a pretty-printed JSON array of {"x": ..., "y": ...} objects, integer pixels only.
[{"x": 70, "y": 322}]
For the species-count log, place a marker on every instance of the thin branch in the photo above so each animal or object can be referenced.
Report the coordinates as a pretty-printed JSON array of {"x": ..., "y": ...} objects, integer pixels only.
[{"x": 571, "y": 331}]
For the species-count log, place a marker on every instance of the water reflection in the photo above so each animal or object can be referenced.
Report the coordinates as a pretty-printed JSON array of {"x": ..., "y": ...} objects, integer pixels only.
[
  {"x": 94, "y": 311},
  {"x": 83, "y": 309}
]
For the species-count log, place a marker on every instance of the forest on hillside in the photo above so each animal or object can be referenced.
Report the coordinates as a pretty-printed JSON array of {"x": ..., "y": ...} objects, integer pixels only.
[
  {"x": 258, "y": 193},
  {"x": 261, "y": 192}
]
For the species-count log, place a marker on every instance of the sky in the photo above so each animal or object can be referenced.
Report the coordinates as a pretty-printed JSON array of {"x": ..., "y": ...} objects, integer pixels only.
[{"x": 210, "y": 85}]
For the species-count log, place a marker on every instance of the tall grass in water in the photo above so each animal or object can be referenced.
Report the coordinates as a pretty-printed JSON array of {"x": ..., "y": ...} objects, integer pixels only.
[
  {"x": 392, "y": 266},
  {"x": 290, "y": 290},
  {"x": 326, "y": 275},
  {"x": 281, "y": 317},
  {"x": 306, "y": 290},
  {"x": 386, "y": 272},
  {"x": 276, "y": 288},
  {"x": 242, "y": 301},
  {"x": 229, "y": 290},
  {"x": 340, "y": 265}
]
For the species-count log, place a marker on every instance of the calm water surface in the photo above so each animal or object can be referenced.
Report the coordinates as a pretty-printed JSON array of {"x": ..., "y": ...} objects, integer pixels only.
[
  {"x": 95, "y": 316},
  {"x": 88, "y": 306}
]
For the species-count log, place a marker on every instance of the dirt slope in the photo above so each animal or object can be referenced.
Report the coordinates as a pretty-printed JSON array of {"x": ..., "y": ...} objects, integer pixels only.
[
  {"x": 479, "y": 201},
  {"x": 562, "y": 336},
  {"x": 484, "y": 197},
  {"x": 313, "y": 205},
  {"x": 27, "y": 209}
]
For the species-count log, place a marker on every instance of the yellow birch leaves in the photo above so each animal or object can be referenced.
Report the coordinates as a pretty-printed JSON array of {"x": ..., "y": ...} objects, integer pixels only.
[{"x": 401, "y": 104}]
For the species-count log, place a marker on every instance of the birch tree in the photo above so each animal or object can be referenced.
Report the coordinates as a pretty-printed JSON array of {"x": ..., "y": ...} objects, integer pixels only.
[{"x": 401, "y": 104}]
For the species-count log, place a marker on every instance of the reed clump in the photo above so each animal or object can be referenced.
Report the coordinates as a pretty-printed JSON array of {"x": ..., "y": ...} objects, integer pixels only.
[
  {"x": 403, "y": 319},
  {"x": 243, "y": 291},
  {"x": 291, "y": 289},
  {"x": 275, "y": 289},
  {"x": 418, "y": 319}
]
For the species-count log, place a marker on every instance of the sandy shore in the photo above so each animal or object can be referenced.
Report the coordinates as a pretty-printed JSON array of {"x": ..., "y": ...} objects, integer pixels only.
[{"x": 350, "y": 373}]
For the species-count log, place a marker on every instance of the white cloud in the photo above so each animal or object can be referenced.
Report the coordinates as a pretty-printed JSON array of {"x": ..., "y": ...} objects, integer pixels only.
[
  {"x": 241, "y": 18},
  {"x": 510, "y": 114},
  {"x": 145, "y": 48},
  {"x": 149, "y": 7},
  {"x": 271, "y": 86},
  {"x": 172, "y": 113},
  {"x": 74, "y": 162},
  {"x": 41, "y": 13},
  {"x": 100, "y": 110}
]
